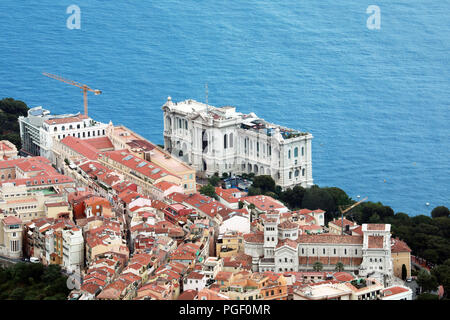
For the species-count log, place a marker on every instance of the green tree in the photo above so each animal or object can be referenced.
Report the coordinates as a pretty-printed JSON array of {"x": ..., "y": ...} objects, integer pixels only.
[
  {"x": 265, "y": 183},
  {"x": 442, "y": 274},
  {"x": 10, "y": 110},
  {"x": 271, "y": 194},
  {"x": 339, "y": 267},
  {"x": 209, "y": 190},
  {"x": 214, "y": 180},
  {"x": 316, "y": 198},
  {"x": 427, "y": 296},
  {"x": 440, "y": 211},
  {"x": 318, "y": 266},
  {"x": 252, "y": 191},
  {"x": 426, "y": 281},
  {"x": 18, "y": 294}
]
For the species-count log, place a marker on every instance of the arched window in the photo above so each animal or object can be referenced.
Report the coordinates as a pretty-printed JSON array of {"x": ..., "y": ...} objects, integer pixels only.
[
  {"x": 289, "y": 154},
  {"x": 63, "y": 128},
  {"x": 303, "y": 172},
  {"x": 296, "y": 152},
  {"x": 303, "y": 151},
  {"x": 225, "y": 141},
  {"x": 297, "y": 172},
  {"x": 55, "y": 129},
  {"x": 290, "y": 174},
  {"x": 231, "y": 140}
]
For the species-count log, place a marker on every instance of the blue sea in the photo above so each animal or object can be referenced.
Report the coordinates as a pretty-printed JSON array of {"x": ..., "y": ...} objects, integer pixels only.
[{"x": 376, "y": 101}]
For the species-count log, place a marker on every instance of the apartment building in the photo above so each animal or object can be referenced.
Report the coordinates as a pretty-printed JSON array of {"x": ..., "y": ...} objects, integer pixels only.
[{"x": 40, "y": 129}]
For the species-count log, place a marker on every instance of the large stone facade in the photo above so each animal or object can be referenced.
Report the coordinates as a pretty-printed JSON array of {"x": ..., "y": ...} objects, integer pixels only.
[
  {"x": 281, "y": 247},
  {"x": 222, "y": 140}
]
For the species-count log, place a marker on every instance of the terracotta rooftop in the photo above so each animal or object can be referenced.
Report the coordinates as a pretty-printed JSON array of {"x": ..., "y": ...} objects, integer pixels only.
[
  {"x": 81, "y": 146},
  {"x": 394, "y": 290},
  {"x": 255, "y": 237},
  {"x": 398, "y": 245}
]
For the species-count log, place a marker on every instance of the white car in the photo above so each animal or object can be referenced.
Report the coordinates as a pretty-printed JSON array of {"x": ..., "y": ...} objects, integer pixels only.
[{"x": 34, "y": 260}]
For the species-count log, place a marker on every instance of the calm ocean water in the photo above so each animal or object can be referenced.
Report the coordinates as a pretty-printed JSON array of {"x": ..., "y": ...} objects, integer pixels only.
[{"x": 376, "y": 101}]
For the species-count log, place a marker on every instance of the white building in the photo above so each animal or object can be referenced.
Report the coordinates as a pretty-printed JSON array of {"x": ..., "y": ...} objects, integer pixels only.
[
  {"x": 195, "y": 281},
  {"x": 11, "y": 229},
  {"x": 281, "y": 247},
  {"x": 212, "y": 266},
  {"x": 222, "y": 140},
  {"x": 73, "y": 249},
  {"x": 40, "y": 128}
]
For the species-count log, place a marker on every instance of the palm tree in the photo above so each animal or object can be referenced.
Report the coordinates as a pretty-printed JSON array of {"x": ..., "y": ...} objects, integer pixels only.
[
  {"x": 339, "y": 266},
  {"x": 318, "y": 266}
]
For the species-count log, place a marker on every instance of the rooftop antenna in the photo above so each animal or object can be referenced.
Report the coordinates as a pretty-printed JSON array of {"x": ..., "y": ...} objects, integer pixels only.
[{"x": 206, "y": 92}]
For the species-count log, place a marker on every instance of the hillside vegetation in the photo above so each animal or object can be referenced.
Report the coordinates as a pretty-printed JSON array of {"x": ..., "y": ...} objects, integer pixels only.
[{"x": 10, "y": 110}]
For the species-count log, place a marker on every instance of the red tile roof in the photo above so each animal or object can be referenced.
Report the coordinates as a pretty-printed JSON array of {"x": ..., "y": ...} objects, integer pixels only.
[
  {"x": 255, "y": 237},
  {"x": 146, "y": 168},
  {"x": 263, "y": 202},
  {"x": 11, "y": 220},
  {"x": 101, "y": 143},
  {"x": 165, "y": 185},
  {"x": 81, "y": 147},
  {"x": 398, "y": 245},
  {"x": 394, "y": 290}
]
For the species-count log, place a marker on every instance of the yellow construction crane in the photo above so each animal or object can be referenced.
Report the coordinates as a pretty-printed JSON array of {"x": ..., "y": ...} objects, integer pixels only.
[
  {"x": 83, "y": 87},
  {"x": 347, "y": 210}
]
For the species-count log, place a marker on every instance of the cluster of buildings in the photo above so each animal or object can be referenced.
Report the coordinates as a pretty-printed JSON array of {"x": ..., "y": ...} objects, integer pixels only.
[{"x": 125, "y": 215}]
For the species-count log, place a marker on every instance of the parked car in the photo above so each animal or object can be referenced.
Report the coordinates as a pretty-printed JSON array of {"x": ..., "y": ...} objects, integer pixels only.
[{"x": 34, "y": 260}]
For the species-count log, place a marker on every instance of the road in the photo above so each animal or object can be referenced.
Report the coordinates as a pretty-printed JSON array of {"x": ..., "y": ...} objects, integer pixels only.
[
  {"x": 8, "y": 262},
  {"x": 414, "y": 286}
]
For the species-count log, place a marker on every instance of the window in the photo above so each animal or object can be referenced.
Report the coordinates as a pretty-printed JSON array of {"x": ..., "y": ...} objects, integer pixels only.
[
  {"x": 290, "y": 175},
  {"x": 303, "y": 172},
  {"x": 303, "y": 151},
  {"x": 231, "y": 140},
  {"x": 289, "y": 154},
  {"x": 296, "y": 152}
]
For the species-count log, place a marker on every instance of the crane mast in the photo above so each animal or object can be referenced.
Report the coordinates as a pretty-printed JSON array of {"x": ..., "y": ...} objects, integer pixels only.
[
  {"x": 348, "y": 209},
  {"x": 82, "y": 86}
]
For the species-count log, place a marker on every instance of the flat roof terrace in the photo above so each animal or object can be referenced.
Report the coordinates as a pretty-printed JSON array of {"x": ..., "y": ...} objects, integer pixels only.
[{"x": 158, "y": 156}]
